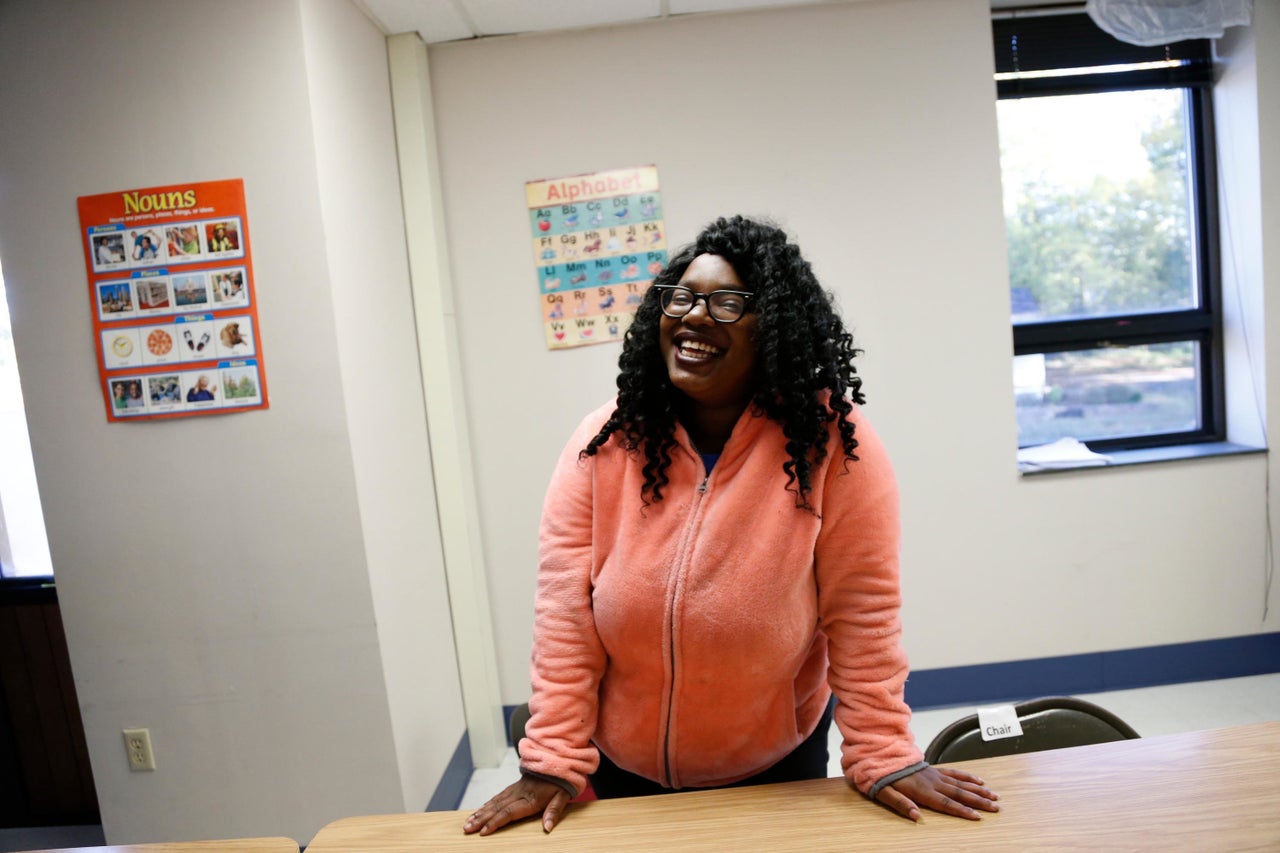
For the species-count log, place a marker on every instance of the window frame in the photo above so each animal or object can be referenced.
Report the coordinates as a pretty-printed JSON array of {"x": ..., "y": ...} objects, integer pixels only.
[{"x": 1201, "y": 325}]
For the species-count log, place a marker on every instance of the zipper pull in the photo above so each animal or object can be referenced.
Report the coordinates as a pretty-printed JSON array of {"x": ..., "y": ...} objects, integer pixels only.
[{"x": 703, "y": 487}]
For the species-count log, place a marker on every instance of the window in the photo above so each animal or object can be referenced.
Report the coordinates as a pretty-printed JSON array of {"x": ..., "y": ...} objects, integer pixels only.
[
  {"x": 1106, "y": 153},
  {"x": 24, "y": 549}
]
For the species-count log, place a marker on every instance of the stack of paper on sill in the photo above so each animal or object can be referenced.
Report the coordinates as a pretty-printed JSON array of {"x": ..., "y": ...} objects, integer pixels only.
[{"x": 1063, "y": 453}]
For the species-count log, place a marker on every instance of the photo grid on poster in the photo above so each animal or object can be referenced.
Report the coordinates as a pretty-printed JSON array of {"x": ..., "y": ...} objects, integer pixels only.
[
  {"x": 175, "y": 317},
  {"x": 598, "y": 242}
]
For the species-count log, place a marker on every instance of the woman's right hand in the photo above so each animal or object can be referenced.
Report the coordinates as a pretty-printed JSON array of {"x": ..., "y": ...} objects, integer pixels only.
[{"x": 527, "y": 797}]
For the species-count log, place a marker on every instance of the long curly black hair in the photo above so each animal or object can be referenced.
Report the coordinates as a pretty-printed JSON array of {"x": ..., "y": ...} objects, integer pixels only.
[{"x": 802, "y": 349}]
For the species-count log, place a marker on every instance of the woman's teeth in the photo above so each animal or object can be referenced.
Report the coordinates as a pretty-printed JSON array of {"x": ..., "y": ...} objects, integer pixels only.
[{"x": 697, "y": 349}]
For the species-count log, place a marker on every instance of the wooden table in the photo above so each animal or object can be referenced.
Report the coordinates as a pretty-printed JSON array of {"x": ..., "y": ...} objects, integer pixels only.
[
  {"x": 1215, "y": 790},
  {"x": 236, "y": 845}
]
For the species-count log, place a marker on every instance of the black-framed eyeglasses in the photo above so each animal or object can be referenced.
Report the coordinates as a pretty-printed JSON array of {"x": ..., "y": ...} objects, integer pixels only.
[{"x": 723, "y": 306}]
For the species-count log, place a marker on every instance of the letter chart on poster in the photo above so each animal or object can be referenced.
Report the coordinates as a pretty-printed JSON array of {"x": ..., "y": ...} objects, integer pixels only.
[
  {"x": 175, "y": 314},
  {"x": 598, "y": 241}
]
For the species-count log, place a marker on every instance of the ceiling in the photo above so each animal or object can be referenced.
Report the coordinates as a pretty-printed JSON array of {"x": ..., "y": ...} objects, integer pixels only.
[{"x": 450, "y": 20}]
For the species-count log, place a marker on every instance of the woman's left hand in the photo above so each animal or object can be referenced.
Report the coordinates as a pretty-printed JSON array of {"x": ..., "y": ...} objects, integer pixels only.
[{"x": 942, "y": 789}]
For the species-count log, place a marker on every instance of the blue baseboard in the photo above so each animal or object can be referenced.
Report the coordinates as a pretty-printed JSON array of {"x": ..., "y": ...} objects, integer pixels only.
[
  {"x": 453, "y": 782},
  {"x": 507, "y": 711},
  {"x": 1011, "y": 681}
]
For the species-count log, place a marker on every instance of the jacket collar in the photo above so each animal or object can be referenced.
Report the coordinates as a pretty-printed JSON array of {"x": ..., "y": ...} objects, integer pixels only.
[{"x": 748, "y": 427}]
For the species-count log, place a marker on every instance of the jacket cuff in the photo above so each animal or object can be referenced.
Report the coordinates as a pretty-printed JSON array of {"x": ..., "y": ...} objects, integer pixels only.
[
  {"x": 545, "y": 778},
  {"x": 894, "y": 777}
]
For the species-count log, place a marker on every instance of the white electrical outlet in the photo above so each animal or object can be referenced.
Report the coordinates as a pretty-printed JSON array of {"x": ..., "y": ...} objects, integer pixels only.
[{"x": 137, "y": 742}]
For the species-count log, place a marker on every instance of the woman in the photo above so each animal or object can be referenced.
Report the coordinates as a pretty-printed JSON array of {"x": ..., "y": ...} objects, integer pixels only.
[
  {"x": 719, "y": 559},
  {"x": 201, "y": 392}
]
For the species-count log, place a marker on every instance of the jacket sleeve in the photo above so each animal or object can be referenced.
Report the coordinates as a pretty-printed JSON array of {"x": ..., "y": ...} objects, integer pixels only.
[
  {"x": 568, "y": 658},
  {"x": 856, "y": 563}
]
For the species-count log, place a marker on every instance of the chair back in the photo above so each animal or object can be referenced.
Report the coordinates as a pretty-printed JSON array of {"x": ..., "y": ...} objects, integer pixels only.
[
  {"x": 515, "y": 725},
  {"x": 1052, "y": 722}
]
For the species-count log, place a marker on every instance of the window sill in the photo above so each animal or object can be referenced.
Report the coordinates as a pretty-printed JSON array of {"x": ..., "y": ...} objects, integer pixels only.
[{"x": 1147, "y": 455}]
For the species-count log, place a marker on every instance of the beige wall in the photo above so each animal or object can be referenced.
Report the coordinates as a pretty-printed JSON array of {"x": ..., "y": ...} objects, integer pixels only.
[
  {"x": 262, "y": 590},
  {"x": 1267, "y": 54},
  {"x": 385, "y": 414},
  {"x": 869, "y": 131}
]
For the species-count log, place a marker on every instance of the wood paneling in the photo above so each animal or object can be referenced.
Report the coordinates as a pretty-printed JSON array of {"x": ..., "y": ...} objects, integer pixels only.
[{"x": 44, "y": 760}]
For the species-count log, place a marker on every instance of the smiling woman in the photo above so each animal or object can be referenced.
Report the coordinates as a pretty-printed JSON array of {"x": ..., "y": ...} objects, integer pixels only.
[
  {"x": 709, "y": 347},
  {"x": 801, "y": 374},
  {"x": 24, "y": 549},
  {"x": 717, "y": 565}
]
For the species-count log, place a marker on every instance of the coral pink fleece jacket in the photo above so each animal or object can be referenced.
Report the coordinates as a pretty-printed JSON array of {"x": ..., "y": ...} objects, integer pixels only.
[{"x": 696, "y": 641}]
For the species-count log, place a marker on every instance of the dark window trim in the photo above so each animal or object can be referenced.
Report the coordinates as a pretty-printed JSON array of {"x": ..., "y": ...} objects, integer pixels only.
[
  {"x": 37, "y": 590},
  {"x": 1181, "y": 77},
  {"x": 1041, "y": 39},
  {"x": 1059, "y": 335},
  {"x": 1049, "y": 42}
]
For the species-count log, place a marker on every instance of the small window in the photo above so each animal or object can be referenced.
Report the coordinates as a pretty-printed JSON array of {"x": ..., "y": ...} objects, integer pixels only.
[
  {"x": 24, "y": 548},
  {"x": 1106, "y": 154}
]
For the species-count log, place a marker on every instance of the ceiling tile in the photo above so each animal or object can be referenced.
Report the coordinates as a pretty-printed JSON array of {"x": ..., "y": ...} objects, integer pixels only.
[
  {"x": 496, "y": 17},
  {"x": 449, "y": 20},
  {"x": 434, "y": 20}
]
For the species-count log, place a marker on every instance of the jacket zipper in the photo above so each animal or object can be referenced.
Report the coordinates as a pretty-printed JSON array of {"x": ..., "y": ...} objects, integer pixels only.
[{"x": 685, "y": 545}]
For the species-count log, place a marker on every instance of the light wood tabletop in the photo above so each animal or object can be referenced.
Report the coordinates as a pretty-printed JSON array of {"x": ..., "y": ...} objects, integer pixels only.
[
  {"x": 1214, "y": 790},
  {"x": 233, "y": 845}
]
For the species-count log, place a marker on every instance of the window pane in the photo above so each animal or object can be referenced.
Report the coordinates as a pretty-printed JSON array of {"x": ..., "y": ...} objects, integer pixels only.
[
  {"x": 1097, "y": 204},
  {"x": 1107, "y": 393},
  {"x": 24, "y": 548}
]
